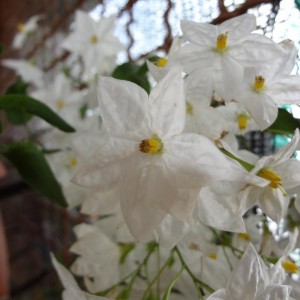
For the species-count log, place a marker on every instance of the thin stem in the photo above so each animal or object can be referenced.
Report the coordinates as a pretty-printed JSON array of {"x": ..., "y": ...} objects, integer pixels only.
[{"x": 193, "y": 277}]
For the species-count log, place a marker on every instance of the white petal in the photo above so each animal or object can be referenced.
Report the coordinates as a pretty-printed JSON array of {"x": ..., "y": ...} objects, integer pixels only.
[
  {"x": 247, "y": 278},
  {"x": 273, "y": 203},
  {"x": 238, "y": 27},
  {"x": 275, "y": 292},
  {"x": 103, "y": 169},
  {"x": 228, "y": 77},
  {"x": 261, "y": 107},
  {"x": 167, "y": 105},
  {"x": 124, "y": 108},
  {"x": 170, "y": 231},
  {"x": 201, "y": 34},
  {"x": 147, "y": 194},
  {"x": 219, "y": 295},
  {"x": 219, "y": 212}
]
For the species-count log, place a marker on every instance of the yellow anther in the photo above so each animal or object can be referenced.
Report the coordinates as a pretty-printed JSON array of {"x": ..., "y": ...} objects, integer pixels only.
[
  {"x": 21, "y": 27},
  {"x": 161, "y": 62},
  {"x": 290, "y": 267},
  {"x": 59, "y": 103},
  {"x": 189, "y": 108},
  {"x": 94, "y": 39},
  {"x": 73, "y": 161},
  {"x": 152, "y": 146},
  {"x": 212, "y": 255},
  {"x": 222, "y": 42},
  {"x": 244, "y": 236},
  {"x": 242, "y": 120},
  {"x": 259, "y": 83},
  {"x": 271, "y": 176}
]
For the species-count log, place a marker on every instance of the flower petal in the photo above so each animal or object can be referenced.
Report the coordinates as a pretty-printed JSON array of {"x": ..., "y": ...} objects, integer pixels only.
[
  {"x": 167, "y": 105},
  {"x": 124, "y": 108}
]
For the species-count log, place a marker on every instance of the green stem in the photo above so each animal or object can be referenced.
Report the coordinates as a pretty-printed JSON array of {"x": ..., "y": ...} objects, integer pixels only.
[
  {"x": 133, "y": 274},
  {"x": 193, "y": 277},
  {"x": 243, "y": 163},
  {"x": 165, "y": 265}
]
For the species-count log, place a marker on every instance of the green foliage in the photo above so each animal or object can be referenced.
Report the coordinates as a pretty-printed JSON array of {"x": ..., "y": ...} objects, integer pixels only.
[
  {"x": 134, "y": 73},
  {"x": 170, "y": 286},
  {"x": 83, "y": 110},
  {"x": 34, "y": 169},
  {"x": 1, "y": 49},
  {"x": 22, "y": 105},
  {"x": 125, "y": 250},
  {"x": 285, "y": 123},
  {"x": 18, "y": 87}
]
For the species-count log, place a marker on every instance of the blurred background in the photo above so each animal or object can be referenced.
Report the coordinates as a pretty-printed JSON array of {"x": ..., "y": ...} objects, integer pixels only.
[{"x": 30, "y": 226}]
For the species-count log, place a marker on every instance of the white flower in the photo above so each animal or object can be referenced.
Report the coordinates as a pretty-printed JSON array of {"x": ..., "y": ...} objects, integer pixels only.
[
  {"x": 250, "y": 281},
  {"x": 25, "y": 30},
  {"x": 72, "y": 290},
  {"x": 98, "y": 260},
  {"x": 62, "y": 98},
  {"x": 29, "y": 72},
  {"x": 146, "y": 154},
  {"x": 268, "y": 86},
  {"x": 94, "y": 41},
  {"x": 220, "y": 52},
  {"x": 160, "y": 68},
  {"x": 283, "y": 173}
]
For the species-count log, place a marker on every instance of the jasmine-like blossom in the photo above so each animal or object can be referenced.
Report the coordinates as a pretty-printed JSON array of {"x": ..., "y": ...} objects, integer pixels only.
[{"x": 147, "y": 156}]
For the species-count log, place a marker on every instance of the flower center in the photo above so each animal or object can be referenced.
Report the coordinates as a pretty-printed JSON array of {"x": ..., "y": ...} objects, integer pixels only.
[
  {"x": 290, "y": 267},
  {"x": 21, "y": 27},
  {"x": 73, "y": 161},
  {"x": 222, "y": 42},
  {"x": 212, "y": 255},
  {"x": 94, "y": 40},
  {"x": 244, "y": 236},
  {"x": 242, "y": 121},
  {"x": 259, "y": 83},
  {"x": 271, "y": 176},
  {"x": 59, "y": 103},
  {"x": 161, "y": 62},
  {"x": 152, "y": 146},
  {"x": 189, "y": 108}
]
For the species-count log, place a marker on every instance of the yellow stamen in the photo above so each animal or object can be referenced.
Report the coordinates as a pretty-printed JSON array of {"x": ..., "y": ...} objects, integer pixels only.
[
  {"x": 152, "y": 146},
  {"x": 290, "y": 267},
  {"x": 59, "y": 103},
  {"x": 189, "y": 108},
  {"x": 242, "y": 120},
  {"x": 161, "y": 62},
  {"x": 21, "y": 27},
  {"x": 212, "y": 255},
  {"x": 222, "y": 42},
  {"x": 94, "y": 39},
  {"x": 271, "y": 176},
  {"x": 259, "y": 83},
  {"x": 73, "y": 161},
  {"x": 244, "y": 236}
]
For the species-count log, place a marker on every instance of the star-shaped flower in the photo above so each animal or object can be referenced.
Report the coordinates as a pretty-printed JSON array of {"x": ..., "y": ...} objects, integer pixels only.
[
  {"x": 250, "y": 281},
  {"x": 147, "y": 156}
]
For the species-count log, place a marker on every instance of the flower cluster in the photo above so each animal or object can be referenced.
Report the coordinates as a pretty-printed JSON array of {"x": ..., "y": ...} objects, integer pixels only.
[{"x": 169, "y": 191}]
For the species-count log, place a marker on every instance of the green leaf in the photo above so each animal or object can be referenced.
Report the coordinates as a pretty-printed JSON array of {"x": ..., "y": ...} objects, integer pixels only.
[
  {"x": 18, "y": 87},
  {"x": 1, "y": 49},
  {"x": 134, "y": 73},
  {"x": 83, "y": 110},
  {"x": 285, "y": 123},
  {"x": 17, "y": 116},
  {"x": 34, "y": 169},
  {"x": 170, "y": 286},
  {"x": 22, "y": 103}
]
